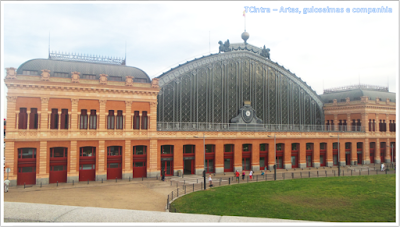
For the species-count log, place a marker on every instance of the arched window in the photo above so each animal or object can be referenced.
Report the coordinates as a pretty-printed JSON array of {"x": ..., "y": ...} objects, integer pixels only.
[
  {"x": 93, "y": 119},
  {"x": 64, "y": 119},
  {"x": 110, "y": 119},
  {"x": 84, "y": 119},
  {"x": 144, "y": 120},
  {"x": 120, "y": 120},
  {"x": 54, "y": 119}
]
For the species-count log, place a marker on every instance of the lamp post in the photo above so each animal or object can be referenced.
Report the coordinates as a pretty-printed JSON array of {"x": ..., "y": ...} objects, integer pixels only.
[
  {"x": 274, "y": 155},
  {"x": 338, "y": 153},
  {"x": 204, "y": 150},
  {"x": 391, "y": 146}
]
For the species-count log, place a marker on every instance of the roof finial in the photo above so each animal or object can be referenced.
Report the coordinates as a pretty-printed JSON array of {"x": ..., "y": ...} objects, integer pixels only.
[{"x": 245, "y": 35}]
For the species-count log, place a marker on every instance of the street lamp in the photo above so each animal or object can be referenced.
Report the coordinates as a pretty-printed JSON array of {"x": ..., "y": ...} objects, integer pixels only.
[
  {"x": 391, "y": 146},
  {"x": 338, "y": 153},
  {"x": 274, "y": 147},
  {"x": 274, "y": 154},
  {"x": 204, "y": 149}
]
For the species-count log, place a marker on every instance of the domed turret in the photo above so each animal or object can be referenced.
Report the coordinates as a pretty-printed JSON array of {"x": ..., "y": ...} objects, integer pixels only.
[{"x": 245, "y": 36}]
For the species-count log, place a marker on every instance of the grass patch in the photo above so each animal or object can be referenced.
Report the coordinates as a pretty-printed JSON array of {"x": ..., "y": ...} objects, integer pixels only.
[{"x": 344, "y": 199}]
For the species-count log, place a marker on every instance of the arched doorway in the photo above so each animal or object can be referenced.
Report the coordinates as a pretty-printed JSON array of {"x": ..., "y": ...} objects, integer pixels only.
[
  {"x": 114, "y": 162},
  {"x": 87, "y": 164},
  {"x": 139, "y": 161},
  {"x": 58, "y": 164},
  {"x": 26, "y": 166}
]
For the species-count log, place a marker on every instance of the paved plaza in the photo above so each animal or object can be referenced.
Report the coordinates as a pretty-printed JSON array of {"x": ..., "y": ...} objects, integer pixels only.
[{"x": 138, "y": 200}]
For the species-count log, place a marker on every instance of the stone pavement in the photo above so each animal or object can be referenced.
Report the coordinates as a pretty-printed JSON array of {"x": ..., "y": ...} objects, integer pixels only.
[{"x": 33, "y": 212}]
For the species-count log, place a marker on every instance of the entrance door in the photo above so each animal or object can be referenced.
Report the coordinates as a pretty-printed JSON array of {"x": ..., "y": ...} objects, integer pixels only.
[
  {"x": 371, "y": 156},
  {"x": 228, "y": 165},
  {"x": 309, "y": 160},
  {"x": 246, "y": 163},
  {"x": 139, "y": 169},
  {"x": 87, "y": 166},
  {"x": 26, "y": 175},
  {"x": 322, "y": 158},
  {"x": 279, "y": 162},
  {"x": 58, "y": 164},
  {"x": 58, "y": 173},
  {"x": 87, "y": 172},
  {"x": 348, "y": 159},
  {"x": 359, "y": 158},
  {"x": 114, "y": 162},
  {"x": 210, "y": 165},
  {"x": 295, "y": 160},
  {"x": 188, "y": 166},
  {"x": 263, "y": 163},
  {"x": 167, "y": 166},
  {"x": 26, "y": 166},
  {"x": 114, "y": 170}
]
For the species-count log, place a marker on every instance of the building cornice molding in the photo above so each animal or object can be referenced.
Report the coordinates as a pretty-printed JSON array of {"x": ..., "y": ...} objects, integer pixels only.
[{"x": 78, "y": 87}]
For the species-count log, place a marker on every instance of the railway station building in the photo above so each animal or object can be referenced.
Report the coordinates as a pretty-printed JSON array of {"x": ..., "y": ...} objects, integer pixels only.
[{"x": 89, "y": 118}]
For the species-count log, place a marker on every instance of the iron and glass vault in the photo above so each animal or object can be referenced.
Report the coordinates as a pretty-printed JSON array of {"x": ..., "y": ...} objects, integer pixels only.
[{"x": 207, "y": 93}]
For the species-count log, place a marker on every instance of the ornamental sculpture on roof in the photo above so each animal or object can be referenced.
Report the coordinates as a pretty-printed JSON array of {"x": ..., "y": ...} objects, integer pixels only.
[
  {"x": 224, "y": 47},
  {"x": 265, "y": 52}
]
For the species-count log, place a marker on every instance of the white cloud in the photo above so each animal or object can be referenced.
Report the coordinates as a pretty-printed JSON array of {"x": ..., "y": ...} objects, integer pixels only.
[{"x": 329, "y": 49}]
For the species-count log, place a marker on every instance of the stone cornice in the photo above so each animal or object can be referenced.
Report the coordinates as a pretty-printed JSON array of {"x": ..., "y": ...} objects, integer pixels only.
[
  {"x": 22, "y": 135},
  {"x": 364, "y": 107},
  {"x": 79, "y": 87}
]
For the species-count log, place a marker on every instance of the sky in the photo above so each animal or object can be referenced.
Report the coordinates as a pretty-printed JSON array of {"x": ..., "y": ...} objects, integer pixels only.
[{"x": 326, "y": 50}]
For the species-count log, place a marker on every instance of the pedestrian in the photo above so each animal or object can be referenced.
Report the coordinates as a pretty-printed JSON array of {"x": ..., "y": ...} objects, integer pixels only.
[
  {"x": 251, "y": 174},
  {"x": 237, "y": 175},
  {"x": 6, "y": 184},
  {"x": 210, "y": 180},
  {"x": 163, "y": 175},
  {"x": 382, "y": 166},
  {"x": 243, "y": 174},
  {"x": 262, "y": 173}
]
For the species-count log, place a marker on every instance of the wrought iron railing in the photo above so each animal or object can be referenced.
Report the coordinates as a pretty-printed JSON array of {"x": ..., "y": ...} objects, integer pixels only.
[{"x": 202, "y": 126}]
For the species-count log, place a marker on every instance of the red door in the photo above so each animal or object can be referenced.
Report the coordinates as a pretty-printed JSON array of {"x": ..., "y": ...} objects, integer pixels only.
[
  {"x": 168, "y": 167},
  {"x": 139, "y": 169},
  {"x": 114, "y": 170},
  {"x": 188, "y": 166},
  {"x": 26, "y": 175},
  {"x": 58, "y": 173},
  {"x": 295, "y": 160},
  {"x": 322, "y": 159},
  {"x": 58, "y": 164},
  {"x": 309, "y": 160},
  {"x": 87, "y": 172},
  {"x": 359, "y": 158},
  {"x": 246, "y": 163},
  {"x": 264, "y": 162},
  {"x": 382, "y": 156},
  {"x": 114, "y": 162},
  {"x": 26, "y": 166},
  {"x": 210, "y": 165},
  {"x": 372, "y": 155},
  {"x": 279, "y": 160},
  {"x": 87, "y": 164},
  {"x": 139, "y": 161},
  {"x": 348, "y": 158}
]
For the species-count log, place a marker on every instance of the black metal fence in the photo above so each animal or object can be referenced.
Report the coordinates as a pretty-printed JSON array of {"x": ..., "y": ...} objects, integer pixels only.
[
  {"x": 183, "y": 188},
  {"x": 201, "y": 126}
]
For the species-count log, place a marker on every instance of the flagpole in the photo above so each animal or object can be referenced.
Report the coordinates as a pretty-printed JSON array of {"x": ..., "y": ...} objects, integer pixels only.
[{"x": 244, "y": 15}]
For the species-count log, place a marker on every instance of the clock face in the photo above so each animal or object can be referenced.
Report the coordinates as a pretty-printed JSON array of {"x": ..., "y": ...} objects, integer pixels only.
[{"x": 248, "y": 113}]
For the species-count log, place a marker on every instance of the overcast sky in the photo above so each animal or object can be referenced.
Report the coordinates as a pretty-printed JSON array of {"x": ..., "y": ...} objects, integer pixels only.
[{"x": 325, "y": 49}]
